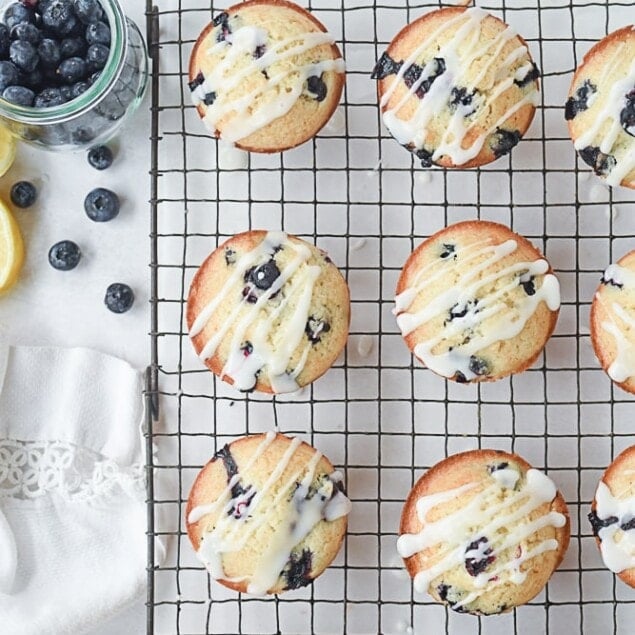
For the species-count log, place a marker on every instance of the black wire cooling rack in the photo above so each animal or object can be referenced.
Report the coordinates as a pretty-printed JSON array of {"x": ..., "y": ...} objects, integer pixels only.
[{"x": 377, "y": 414}]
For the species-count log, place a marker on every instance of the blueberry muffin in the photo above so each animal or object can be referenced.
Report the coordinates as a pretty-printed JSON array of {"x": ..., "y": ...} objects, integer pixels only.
[
  {"x": 483, "y": 531},
  {"x": 268, "y": 513},
  {"x": 265, "y": 75},
  {"x": 477, "y": 302},
  {"x": 601, "y": 108},
  {"x": 613, "y": 322},
  {"x": 612, "y": 516},
  {"x": 457, "y": 87},
  {"x": 267, "y": 311}
]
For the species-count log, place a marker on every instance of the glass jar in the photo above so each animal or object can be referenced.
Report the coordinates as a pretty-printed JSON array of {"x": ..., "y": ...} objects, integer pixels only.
[{"x": 98, "y": 113}]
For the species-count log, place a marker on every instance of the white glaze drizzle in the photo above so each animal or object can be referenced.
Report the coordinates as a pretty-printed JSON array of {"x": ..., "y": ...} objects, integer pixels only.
[
  {"x": 614, "y": 103},
  {"x": 462, "y": 292},
  {"x": 271, "y": 357},
  {"x": 619, "y": 320},
  {"x": 231, "y": 534},
  {"x": 413, "y": 131},
  {"x": 616, "y": 545},
  {"x": 257, "y": 109},
  {"x": 483, "y": 515}
]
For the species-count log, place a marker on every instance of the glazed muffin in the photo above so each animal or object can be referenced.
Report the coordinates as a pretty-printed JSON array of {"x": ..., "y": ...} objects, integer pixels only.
[
  {"x": 477, "y": 302},
  {"x": 612, "y": 516},
  {"x": 267, "y": 311},
  {"x": 268, "y": 513},
  {"x": 613, "y": 322},
  {"x": 265, "y": 75},
  {"x": 457, "y": 87},
  {"x": 482, "y": 531},
  {"x": 601, "y": 108}
]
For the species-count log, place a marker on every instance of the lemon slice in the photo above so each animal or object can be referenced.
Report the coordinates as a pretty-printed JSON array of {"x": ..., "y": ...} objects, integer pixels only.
[
  {"x": 7, "y": 150},
  {"x": 11, "y": 248}
]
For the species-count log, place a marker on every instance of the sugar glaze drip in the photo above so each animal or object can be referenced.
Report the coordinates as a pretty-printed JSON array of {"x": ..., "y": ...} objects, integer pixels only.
[
  {"x": 255, "y": 110},
  {"x": 412, "y": 132},
  {"x": 622, "y": 367},
  {"x": 484, "y": 515},
  {"x": 465, "y": 290},
  {"x": 610, "y": 114},
  {"x": 304, "y": 510},
  {"x": 616, "y": 545},
  {"x": 267, "y": 357}
]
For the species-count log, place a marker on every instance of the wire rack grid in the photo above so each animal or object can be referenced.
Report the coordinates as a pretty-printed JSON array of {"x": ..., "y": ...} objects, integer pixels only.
[{"x": 377, "y": 414}]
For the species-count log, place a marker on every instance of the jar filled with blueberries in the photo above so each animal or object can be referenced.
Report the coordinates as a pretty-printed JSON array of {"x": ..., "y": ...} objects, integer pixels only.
[{"x": 71, "y": 71}]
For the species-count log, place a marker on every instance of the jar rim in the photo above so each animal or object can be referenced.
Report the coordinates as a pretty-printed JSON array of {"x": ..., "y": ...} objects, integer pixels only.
[{"x": 95, "y": 93}]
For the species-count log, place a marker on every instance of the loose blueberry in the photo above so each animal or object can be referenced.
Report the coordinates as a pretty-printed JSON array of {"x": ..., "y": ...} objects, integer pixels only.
[
  {"x": 385, "y": 66},
  {"x": 18, "y": 12},
  {"x": 19, "y": 95},
  {"x": 79, "y": 88},
  {"x": 5, "y": 40},
  {"x": 448, "y": 250},
  {"x": 24, "y": 55},
  {"x": 72, "y": 47},
  {"x": 297, "y": 573},
  {"x": 601, "y": 163},
  {"x": 580, "y": 100},
  {"x": 317, "y": 87},
  {"x": 264, "y": 276},
  {"x": 64, "y": 255},
  {"x": 9, "y": 74},
  {"x": 49, "y": 98},
  {"x": 230, "y": 256},
  {"x": 88, "y": 11},
  {"x": 413, "y": 74},
  {"x": 196, "y": 82},
  {"x": 425, "y": 156},
  {"x": 50, "y": 53},
  {"x": 100, "y": 157},
  {"x": 315, "y": 328},
  {"x": 101, "y": 205},
  {"x": 98, "y": 33},
  {"x": 532, "y": 75},
  {"x": 27, "y": 32},
  {"x": 479, "y": 366},
  {"x": 72, "y": 70},
  {"x": 97, "y": 56},
  {"x": 503, "y": 141},
  {"x": 477, "y": 558},
  {"x": 119, "y": 297},
  {"x": 23, "y": 194},
  {"x": 627, "y": 116},
  {"x": 598, "y": 523},
  {"x": 58, "y": 16}
]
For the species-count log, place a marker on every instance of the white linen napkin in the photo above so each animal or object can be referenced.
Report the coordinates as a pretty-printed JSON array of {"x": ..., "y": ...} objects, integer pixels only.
[{"x": 72, "y": 511}]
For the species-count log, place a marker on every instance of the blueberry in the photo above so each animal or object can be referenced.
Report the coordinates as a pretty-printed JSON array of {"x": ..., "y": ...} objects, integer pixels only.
[
  {"x": 478, "y": 559},
  {"x": 230, "y": 256},
  {"x": 119, "y": 297},
  {"x": 50, "y": 53},
  {"x": 448, "y": 250},
  {"x": 5, "y": 40},
  {"x": 627, "y": 116},
  {"x": 315, "y": 328},
  {"x": 497, "y": 467},
  {"x": 464, "y": 99},
  {"x": 579, "y": 101},
  {"x": 33, "y": 80},
  {"x": 479, "y": 366},
  {"x": 19, "y": 95},
  {"x": 598, "y": 523},
  {"x": 503, "y": 141},
  {"x": 59, "y": 17},
  {"x": 88, "y": 11},
  {"x": 209, "y": 98},
  {"x": 297, "y": 573},
  {"x": 72, "y": 70},
  {"x": 425, "y": 156},
  {"x": 196, "y": 82},
  {"x": 532, "y": 75},
  {"x": 23, "y": 194},
  {"x": 100, "y": 157},
  {"x": 24, "y": 55},
  {"x": 94, "y": 77},
  {"x": 317, "y": 87},
  {"x": 79, "y": 88},
  {"x": 528, "y": 285},
  {"x": 67, "y": 92},
  {"x": 222, "y": 20},
  {"x": 259, "y": 51},
  {"x": 264, "y": 276},
  {"x": 49, "y": 98},
  {"x": 101, "y": 205},
  {"x": 601, "y": 163},
  {"x": 27, "y": 32},
  {"x": 64, "y": 255},
  {"x": 16, "y": 13},
  {"x": 97, "y": 56},
  {"x": 98, "y": 33},
  {"x": 9, "y": 74},
  {"x": 413, "y": 74},
  {"x": 72, "y": 47},
  {"x": 385, "y": 66}
]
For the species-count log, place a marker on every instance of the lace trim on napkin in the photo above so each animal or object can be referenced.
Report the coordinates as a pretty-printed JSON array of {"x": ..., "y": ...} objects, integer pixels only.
[{"x": 31, "y": 469}]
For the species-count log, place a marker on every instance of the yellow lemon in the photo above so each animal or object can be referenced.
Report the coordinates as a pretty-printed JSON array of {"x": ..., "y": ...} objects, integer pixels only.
[
  {"x": 11, "y": 248},
  {"x": 7, "y": 150}
]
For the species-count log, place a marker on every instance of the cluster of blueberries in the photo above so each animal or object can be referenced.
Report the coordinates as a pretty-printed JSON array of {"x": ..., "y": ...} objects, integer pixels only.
[
  {"x": 51, "y": 51},
  {"x": 100, "y": 205}
]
